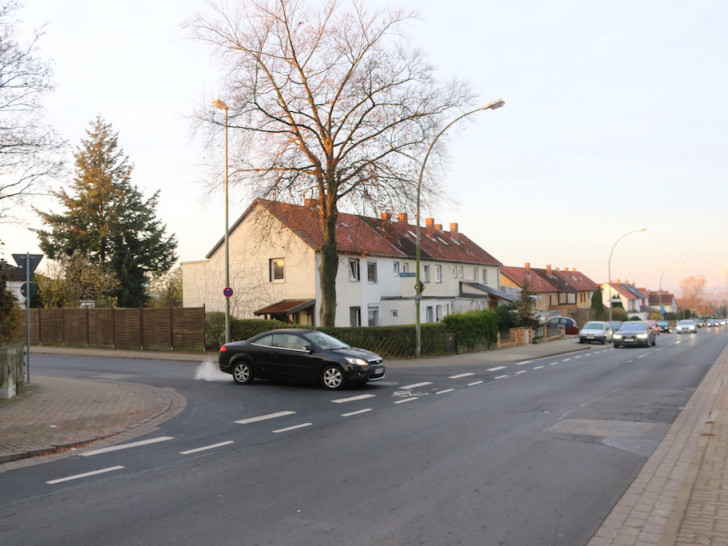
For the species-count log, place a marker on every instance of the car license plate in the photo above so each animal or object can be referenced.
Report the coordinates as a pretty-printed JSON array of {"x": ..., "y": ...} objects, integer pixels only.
[
  {"x": 378, "y": 371},
  {"x": 590, "y": 337},
  {"x": 629, "y": 340}
]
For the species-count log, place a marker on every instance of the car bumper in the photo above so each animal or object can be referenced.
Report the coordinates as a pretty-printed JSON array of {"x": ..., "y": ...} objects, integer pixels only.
[{"x": 371, "y": 373}]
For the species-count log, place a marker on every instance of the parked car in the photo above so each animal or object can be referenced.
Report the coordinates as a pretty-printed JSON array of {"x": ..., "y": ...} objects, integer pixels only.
[
  {"x": 299, "y": 355},
  {"x": 713, "y": 323},
  {"x": 653, "y": 324},
  {"x": 569, "y": 324},
  {"x": 595, "y": 331},
  {"x": 633, "y": 333},
  {"x": 664, "y": 326},
  {"x": 687, "y": 326}
]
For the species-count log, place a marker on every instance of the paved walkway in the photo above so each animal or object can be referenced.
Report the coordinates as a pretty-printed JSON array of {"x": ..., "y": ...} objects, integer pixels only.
[{"x": 679, "y": 497}]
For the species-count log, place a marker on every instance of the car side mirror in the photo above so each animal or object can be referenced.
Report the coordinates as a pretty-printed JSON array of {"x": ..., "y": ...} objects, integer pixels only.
[{"x": 310, "y": 349}]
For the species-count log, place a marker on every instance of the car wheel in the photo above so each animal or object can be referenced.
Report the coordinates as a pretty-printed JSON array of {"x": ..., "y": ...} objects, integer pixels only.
[
  {"x": 242, "y": 373},
  {"x": 332, "y": 377},
  {"x": 616, "y": 345}
]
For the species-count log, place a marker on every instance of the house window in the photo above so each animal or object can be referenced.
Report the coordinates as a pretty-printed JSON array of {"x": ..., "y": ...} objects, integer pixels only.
[
  {"x": 438, "y": 273},
  {"x": 396, "y": 269},
  {"x": 485, "y": 277},
  {"x": 454, "y": 272},
  {"x": 405, "y": 267},
  {"x": 277, "y": 267},
  {"x": 395, "y": 313},
  {"x": 460, "y": 271},
  {"x": 426, "y": 273},
  {"x": 438, "y": 313},
  {"x": 372, "y": 271},
  {"x": 373, "y": 315},
  {"x": 429, "y": 316},
  {"x": 354, "y": 316},
  {"x": 475, "y": 274},
  {"x": 354, "y": 274}
]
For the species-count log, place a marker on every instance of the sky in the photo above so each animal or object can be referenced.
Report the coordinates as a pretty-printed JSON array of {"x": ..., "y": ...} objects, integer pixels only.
[{"x": 616, "y": 119}]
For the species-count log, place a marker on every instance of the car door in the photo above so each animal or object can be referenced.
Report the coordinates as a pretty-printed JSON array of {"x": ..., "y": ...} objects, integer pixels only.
[{"x": 292, "y": 358}]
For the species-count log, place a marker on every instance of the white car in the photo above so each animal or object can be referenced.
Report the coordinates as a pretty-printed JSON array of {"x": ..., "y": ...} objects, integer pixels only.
[
  {"x": 686, "y": 327},
  {"x": 595, "y": 331}
]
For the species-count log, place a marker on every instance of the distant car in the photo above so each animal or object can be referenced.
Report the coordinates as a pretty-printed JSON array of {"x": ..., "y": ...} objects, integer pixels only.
[
  {"x": 595, "y": 331},
  {"x": 686, "y": 327},
  {"x": 615, "y": 325},
  {"x": 299, "y": 355},
  {"x": 664, "y": 326},
  {"x": 653, "y": 324},
  {"x": 633, "y": 333},
  {"x": 569, "y": 324},
  {"x": 712, "y": 323},
  {"x": 699, "y": 322}
]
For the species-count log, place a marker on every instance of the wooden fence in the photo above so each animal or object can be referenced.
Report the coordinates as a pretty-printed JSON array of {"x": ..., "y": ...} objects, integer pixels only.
[{"x": 165, "y": 329}]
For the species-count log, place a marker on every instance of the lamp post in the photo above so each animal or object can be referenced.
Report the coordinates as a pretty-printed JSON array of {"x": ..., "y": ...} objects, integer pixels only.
[
  {"x": 217, "y": 103},
  {"x": 494, "y": 105},
  {"x": 662, "y": 315},
  {"x": 609, "y": 265}
]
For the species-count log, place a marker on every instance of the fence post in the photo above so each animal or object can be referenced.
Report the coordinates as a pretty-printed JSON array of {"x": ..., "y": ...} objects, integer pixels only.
[
  {"x": 88, "y": 327},
  {"x": 113, "y": 328},
  {"x": 171, "y": 328},
  {"x": 141, "y": 328}
]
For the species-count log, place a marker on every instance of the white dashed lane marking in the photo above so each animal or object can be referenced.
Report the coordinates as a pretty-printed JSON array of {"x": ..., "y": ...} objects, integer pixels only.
[
  {"x": 191, "y": 451},
  {"x": 356, "y": 412},
  {"x": 302, "y": 425},
  {"x": 415, "y": 385},
  {"x": 353, "y": 398},
  {"x": 265, "y": 417},
  {"x": 406, "y": 400},
  {"x": 496, "y": 369},
  {"x": 86, "y": 475},
  {"x": 460, "y": 376},
  {"x": 127, "y": 446}
]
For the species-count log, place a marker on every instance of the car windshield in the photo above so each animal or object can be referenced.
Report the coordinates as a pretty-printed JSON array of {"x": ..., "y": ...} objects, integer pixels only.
[
  {"x": 633, "y": 326},
  {"x": 594, "y": 326},
  {"x": 325, "y": 341},
  {"x": 686, "y": 322}
]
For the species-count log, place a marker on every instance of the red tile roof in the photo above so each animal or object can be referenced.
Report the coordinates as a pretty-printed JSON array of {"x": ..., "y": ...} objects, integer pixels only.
[
  {"x": 550, "y": 280},
  {"x": 374, "y": 237}
]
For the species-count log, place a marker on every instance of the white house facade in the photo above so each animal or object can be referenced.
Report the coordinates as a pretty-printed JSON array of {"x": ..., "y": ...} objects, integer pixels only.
[{"x": 274, "y": 273}]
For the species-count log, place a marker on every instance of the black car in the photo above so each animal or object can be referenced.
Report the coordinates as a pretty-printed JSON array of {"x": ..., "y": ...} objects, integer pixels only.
[
  {"x": 633, "y": 333},
  {"x": 299, "y": 355}
]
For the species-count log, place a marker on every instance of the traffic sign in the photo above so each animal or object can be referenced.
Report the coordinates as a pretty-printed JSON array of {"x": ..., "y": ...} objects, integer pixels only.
[
  {"x": 228, "y": 292},
  {"x": 27, "y": 289},
  {"x": 30, "y": 260}
]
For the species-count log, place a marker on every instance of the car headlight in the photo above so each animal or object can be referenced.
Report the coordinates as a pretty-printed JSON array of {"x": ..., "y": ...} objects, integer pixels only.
[
  {"x": 642, "y": 336},
  {"x": 357, "y": 361},
  {"x": 617, "y": 336}
]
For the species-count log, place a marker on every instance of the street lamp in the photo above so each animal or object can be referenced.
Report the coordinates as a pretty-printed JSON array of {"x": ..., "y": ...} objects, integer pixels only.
[
  {"x": 662, "y": 315},
  {"x": 609, "y": 265},
  {"x": 494, "y": 105},
  {"x": 217, "y": 103}
]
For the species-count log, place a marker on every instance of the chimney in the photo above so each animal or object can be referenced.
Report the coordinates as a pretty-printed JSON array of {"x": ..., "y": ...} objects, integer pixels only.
[
  {"x": 453, "y": 228},
  {"x": 387, "y": 216},
  {"x": 402, "y": 217},
  {"x": 311, "y": 203},
  {"x": 548, "y": 269},
  {"x": 527, "y": 267},
  {"x": 438, "y": 227},
  {"x": 566, "y": 269},
  {"x": 430, "y": 224}
]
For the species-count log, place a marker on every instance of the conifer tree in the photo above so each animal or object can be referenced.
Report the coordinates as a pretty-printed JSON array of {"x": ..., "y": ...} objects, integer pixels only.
[{"x": 107, "y": 219}]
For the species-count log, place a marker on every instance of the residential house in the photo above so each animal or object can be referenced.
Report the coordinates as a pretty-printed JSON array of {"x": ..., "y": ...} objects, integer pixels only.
[
  {"x": 555, "y": 291},
  {"x": 275, "y": 258},
  {"x": 662, "y": 301},
  {"x": 14, "y": 280},
  {"x": 633, "y": 300}
]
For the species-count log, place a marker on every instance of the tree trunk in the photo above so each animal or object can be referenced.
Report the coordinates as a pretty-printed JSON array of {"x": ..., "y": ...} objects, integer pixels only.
[{"x": 328, "y": 268}]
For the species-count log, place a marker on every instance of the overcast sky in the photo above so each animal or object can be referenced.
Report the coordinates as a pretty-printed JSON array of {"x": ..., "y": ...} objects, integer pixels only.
[{"x": 615, "y": 119}]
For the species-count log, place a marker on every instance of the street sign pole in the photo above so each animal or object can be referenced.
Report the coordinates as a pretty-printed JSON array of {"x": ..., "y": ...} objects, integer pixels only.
[{"x": 28, "y": 262}]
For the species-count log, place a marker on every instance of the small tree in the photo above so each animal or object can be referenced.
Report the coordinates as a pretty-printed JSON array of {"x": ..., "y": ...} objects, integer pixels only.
[
  {"x": 166, "y": 289},
  {"x": 10, "y": 324},
  {"x": 525, "y": 307},
  {"x": 597, "y": 305}
]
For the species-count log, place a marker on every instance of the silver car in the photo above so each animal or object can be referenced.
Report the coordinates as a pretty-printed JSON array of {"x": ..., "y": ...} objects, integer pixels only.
[
  {"x": 595, "y": 331},
  {"x": 686, "y": 327}
]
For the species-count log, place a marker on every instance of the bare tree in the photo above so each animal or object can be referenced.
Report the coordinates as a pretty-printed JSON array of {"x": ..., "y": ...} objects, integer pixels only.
[
  {"x": 29, "y": 151},
  {"x": 329, "y": 103}
]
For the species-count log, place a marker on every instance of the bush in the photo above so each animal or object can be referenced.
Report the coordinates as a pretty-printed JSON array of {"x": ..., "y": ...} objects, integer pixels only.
[
  {"x": 10, "y": 320},
  {"x": 475, "y": 330},
  {"x": 394, "y": 341},
  {"x": 239, "y": 329}
]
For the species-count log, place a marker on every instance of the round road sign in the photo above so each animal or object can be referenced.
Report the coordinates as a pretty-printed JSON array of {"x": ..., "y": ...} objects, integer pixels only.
[{"x": 228, "y": 292}]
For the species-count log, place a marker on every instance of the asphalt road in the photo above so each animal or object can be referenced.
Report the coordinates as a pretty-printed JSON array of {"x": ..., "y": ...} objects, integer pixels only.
[{"x": 521, "y": 453}]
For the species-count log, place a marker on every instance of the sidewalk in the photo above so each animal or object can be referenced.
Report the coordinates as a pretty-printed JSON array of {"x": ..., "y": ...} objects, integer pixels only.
[{"x": 679, "y": 497}]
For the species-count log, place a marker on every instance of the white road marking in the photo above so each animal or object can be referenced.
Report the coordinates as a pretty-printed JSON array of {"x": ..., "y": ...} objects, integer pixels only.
[
  {"x": 406, "y": 400},
  {"x": 524, "y": 362},
  {"x": 415, "y": 385},
  {"x": 521, "y": 371},
  {"x": 474, "y": 383},
  {"x": 302, "y": 425},
  {"x": 353, "y": 398},
  {"x": 497, "y": 368},
  {"x": 127, "y": 446},
  {"x": 538, "y": 367},
  {"x": 191, "y": 451},
  {"x": 265, "y": 417},
  {"x": 460, "y": 376},
  {"x": 446, "y": 390},
  {"x": 86, "y": 475},
  {"x": 566, "y": 360},
  {"x": 501, "y": 377},
  {"x": 553, "y": 363},
  {"x": 356, "y": 412}
]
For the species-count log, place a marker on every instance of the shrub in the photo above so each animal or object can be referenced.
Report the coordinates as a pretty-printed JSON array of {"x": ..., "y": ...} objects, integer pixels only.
[{"x": 475, "y": 330}]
